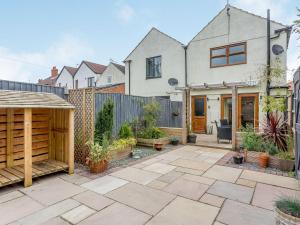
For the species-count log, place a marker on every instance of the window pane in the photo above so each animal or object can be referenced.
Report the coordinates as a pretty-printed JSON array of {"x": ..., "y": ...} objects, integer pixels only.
[
  {"x": 228, "y": 109},
  {"x": 220, "y": 51},
  {"x": 237, "y": 49},
  {"x": 154, "y": 67},
  {"x": 233, "y": 59},
  {"x": 218, "y": 61},
  {"x": 199, "y": 107},
  {"x": 247, "y": 113}
]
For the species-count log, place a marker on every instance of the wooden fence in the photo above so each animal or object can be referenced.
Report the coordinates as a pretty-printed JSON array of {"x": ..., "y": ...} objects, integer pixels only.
[
  {"x": 89, "y": 102},
  {"x": 21, "y": 86},
  {"x": 297, "y": 120}
]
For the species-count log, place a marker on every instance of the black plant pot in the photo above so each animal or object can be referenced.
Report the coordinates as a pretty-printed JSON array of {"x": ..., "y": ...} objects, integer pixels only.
[
  {"x": 175, "y": 142},
  {"x": 192, "y": 138},
  {"x": 238, "y": 159}
]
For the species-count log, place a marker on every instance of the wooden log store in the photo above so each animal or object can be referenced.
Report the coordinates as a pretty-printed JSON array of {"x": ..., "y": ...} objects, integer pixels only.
[{"x": 36, "y": 136}]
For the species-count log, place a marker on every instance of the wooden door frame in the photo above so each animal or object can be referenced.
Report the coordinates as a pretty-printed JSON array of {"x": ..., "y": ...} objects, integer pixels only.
[
  {"x": 256, "y": 110},
  {"x": 223, "y": 97},
  {"x": 193, "y": 110}
]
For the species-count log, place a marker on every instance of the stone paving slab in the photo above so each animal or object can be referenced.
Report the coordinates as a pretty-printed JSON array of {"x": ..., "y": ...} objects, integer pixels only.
[
  {"x": 223, "y": 173},
  {"x": 266, "y": 178},
  {"x": 170, "y": 177},
  {"x": 17, "y": 209},
  {"x": 10, "y": 196},
  {"x": 189, "y": 171},
  {"x": 140, "y": 197},
  {"x": 186, "y": 188},
  {"x": 78, "y": 214},
  {"x": 236, "y": 213},
  {"x": 191, "y": 164},
  {"x": 212, "y": 200},
  {"x": 104, "y": 184},
  {"x": 136, "y": 175},
  {"x": 75, "y": 178},
  {"x": 56, "y": 221},
  {"x": 52, "y": 191},
  {"x": 244, "y": 182},
  {"x": 231, "y": 191},
  {"x": 265, "y": 195},
  {"x": 157, "y": 184},
  {"x": 93, "y": 200},
  {"x": 117, "y": 214},
  {"x": 48, "y": 213},
  {"x": 159, "y": 168},
  {"x": 199, "y": 179},
  {"x": 184, "y": 211}
]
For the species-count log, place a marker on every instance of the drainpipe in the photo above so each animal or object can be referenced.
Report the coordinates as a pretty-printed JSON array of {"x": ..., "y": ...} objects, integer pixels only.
[
  {"x": 268, "y": 56},
  {"x": 129, "y": 77},
  {"x": 185, "y": 66}
]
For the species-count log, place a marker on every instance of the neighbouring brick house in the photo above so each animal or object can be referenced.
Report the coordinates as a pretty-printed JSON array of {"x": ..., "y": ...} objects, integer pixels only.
[{"x": 50, "y": 81}]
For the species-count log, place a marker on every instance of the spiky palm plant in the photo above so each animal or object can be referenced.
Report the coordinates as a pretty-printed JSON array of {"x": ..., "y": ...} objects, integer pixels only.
[{"x": 276, "y": 130}]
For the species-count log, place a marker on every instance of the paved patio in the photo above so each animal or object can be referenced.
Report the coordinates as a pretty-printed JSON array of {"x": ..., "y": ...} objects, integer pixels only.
[{"x": 179, "y": 187}]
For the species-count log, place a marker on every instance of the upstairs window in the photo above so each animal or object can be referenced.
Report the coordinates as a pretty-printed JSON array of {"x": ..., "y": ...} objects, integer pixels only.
[
  {"x": 153, "y": 67},
  {"x": 91, "y": 81},
  {"x": 228, "y": 55},
  {"x": 109, "y": 79}
]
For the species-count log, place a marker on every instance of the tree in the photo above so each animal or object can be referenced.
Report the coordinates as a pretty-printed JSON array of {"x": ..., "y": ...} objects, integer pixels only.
[{"x": 104, "y": 122}]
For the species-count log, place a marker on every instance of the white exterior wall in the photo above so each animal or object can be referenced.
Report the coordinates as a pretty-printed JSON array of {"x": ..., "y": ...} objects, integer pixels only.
[
  {"x": 242, "y": 27},
  {"x": 172, "y": 65},
  {"x": 113, "y": 72},
  {"x": 65, "y": 79},
  {"x": 82, "y": 75}
]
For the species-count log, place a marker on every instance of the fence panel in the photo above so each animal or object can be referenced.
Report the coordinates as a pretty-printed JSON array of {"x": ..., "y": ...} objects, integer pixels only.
[
  {"x": 21, "y": 86},
  {"x": 297, "y": 120}
]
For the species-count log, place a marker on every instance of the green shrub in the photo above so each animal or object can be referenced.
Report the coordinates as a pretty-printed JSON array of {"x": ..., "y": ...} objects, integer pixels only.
[
  {"x": 125, "y": 131},
  {"x": 151, "y": 133},
  {"x": 120, "y": 144},
  {"x": 151, "y": 113},
  {"x": 286, "y": 155},
  {"x": 104, "y": 122},
  {"x": 289, "y": 205},
  {"x": 251, "y": 140},
  {"x": 98, "y": 152},
  {"x": 270, "y": 148}
]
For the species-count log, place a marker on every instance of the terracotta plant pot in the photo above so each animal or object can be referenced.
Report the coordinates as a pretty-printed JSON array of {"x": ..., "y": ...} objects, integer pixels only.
[
  {"x": 158, "y": 146},
  {"x": 285, "y": 219},
  {"x": 263, "y": 160},
  {"x": 98, "y": 167}
]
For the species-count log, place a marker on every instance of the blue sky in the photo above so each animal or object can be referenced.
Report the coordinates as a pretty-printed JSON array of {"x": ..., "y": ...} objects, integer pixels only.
[{"x": 38, "y": 34}]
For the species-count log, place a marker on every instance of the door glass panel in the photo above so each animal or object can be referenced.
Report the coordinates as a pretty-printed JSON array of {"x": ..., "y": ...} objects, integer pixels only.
[
  {"x": 199, "y": 107},
  {"x": 227, "y": 109},
  {"x": 247, "y": 111}
]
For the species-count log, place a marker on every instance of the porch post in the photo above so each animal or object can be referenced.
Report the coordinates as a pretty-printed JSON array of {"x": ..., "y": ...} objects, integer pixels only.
[
  {"x": 234, "y": 117},
  {"x": 71, "y": 142},
  {"x": 27, "y": 147},
  {"x": 184, "y": 118}
]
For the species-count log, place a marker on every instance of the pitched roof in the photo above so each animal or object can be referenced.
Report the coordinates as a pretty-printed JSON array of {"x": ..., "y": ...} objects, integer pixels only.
[
  {"x": 153, "y": 28},
  {"x": 71, "y": 70},
  {"x": 95, "y": 67},
  {"x": 119, "y": 67},
  {"x": 48, "y": 81},
  {"x": 27, "y": 99}
]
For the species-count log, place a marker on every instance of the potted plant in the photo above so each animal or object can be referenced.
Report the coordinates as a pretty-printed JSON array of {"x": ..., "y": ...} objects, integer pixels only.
[
  {"x": 263, "y": 159},
  {"x": 238, "y": 158},
  {"x": 191, "y": 138},
  {"x": 98, "y": 155},
  {"x": 175, "y": 113},
  {"x": 174, "y": 140},
  {"x": 287, "y": 211},
  {"x": 286, "y": 161}
]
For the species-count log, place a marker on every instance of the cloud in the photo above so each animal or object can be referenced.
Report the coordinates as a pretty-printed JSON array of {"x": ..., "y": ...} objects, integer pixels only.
[
  {"x": 125, "y": 13},
  {"x": 30, "y": 66}
]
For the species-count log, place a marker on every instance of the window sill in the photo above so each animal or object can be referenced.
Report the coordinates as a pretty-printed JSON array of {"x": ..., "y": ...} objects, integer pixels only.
[
  {"x": 149, "y": 78},
  {"x": 235, "y": 64}
]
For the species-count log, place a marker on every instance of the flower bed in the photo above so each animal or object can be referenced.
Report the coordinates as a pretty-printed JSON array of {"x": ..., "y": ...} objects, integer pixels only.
[
  {"x": 122, "y": 153},
  {"x": 151, "y": 142}
]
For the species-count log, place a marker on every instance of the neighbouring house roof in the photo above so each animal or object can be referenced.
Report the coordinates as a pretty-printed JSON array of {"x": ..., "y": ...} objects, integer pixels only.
[
  {"x": 119, "y": 67},
  {"x": 26, "y": 99},
  {"x": 95, "y": 67},
  {"x": 50, "y": 81},
  {"x": 153, "y": 28},
  {"x": 71, "y": 70}
]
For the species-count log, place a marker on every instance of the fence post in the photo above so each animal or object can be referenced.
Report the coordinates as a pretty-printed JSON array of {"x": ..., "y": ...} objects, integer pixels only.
[{"x": 184, "y": 117}]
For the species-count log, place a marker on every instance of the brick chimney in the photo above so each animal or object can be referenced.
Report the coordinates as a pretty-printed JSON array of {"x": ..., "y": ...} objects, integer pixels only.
[{"x": 54, "y": 71}]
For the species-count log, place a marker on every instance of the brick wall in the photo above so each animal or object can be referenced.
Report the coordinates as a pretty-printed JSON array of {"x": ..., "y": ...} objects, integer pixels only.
[{"x": 119, "y": 88}]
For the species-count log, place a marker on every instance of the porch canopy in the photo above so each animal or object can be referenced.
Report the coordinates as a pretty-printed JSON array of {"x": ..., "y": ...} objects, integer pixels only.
[
  {"x": 36, "y": 136},
  {"x": 224, "y": 85}
]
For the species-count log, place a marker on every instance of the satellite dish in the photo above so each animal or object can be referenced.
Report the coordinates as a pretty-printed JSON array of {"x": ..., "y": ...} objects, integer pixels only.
[
  {"x": 172, "y": 82},
  {"x": 277, "y": 49}
]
